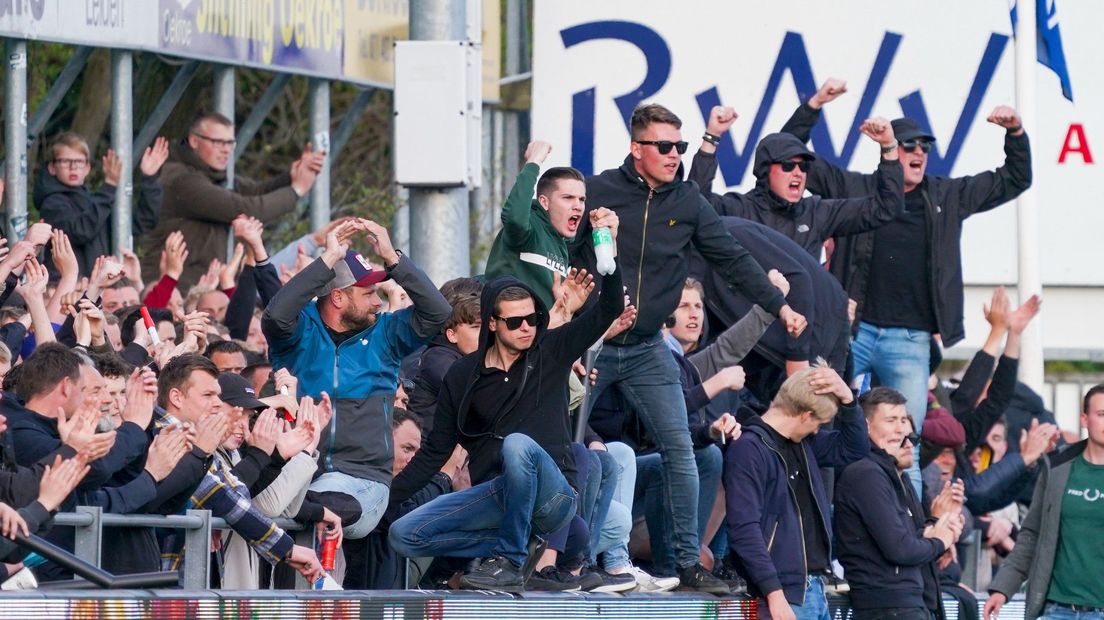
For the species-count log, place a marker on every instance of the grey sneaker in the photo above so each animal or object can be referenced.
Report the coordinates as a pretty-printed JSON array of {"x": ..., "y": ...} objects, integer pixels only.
[{"x": 610, "y": 582}]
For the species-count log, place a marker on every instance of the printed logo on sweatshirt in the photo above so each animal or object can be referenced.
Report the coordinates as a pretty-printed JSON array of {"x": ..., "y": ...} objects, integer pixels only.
[
  {"x": 550, "y": 263},
  {"x": 671, "y": 223}
]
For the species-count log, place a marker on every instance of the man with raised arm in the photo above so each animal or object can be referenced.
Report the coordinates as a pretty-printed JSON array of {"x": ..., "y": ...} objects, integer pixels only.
[{"x": 342, "y": 344}]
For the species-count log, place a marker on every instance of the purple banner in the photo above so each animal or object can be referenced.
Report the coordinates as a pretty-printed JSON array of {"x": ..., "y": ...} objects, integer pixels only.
[{"x": 303, "y": 35}]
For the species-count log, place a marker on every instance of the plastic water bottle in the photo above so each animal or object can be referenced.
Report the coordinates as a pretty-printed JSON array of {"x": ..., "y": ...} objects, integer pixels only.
[{"x": 603, "y": 251}]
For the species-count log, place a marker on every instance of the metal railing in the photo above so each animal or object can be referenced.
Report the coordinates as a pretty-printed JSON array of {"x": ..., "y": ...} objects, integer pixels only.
[{"x": 88, "y": 523}]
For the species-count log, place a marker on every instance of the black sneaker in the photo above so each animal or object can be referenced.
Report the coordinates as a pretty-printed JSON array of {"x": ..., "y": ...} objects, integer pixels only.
[
  {"x": 552, "y": 579},
  {"x": 497, "y": 573},
  {"x": 609, "y": 581},
  {"x": 697, "y": 578}
]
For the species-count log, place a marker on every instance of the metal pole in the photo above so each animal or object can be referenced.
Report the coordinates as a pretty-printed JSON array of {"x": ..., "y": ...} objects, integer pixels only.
[
  {"x": 197, "y": 552},
  {"x": 225, "y": 88},
  {"x": 349, "y": 122},
  {"x": 15, "y": 141},
  {"x": 60, "y": 88},
  {"x": 1027, "y": 211},
  {"x": 320, "y": 140},
  {"x": 122, "y": 141},
  {"x": 260, "y": 111},
  {"x": 164, "y": 107},
  {"x": 439, "y": 219},
  {"x": 88, "y": 539}
]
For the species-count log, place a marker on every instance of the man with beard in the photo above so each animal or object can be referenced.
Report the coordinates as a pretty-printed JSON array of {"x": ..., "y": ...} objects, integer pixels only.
[{"x": 342, "y": 344}]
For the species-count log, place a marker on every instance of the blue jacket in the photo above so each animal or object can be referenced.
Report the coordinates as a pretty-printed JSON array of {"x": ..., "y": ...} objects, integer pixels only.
[
  {"x": 764, "y": 526},
  {"x": 361, "y": 374}
]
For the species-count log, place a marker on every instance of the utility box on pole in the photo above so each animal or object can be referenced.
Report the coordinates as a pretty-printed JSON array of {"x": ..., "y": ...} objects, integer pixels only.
[{"x": 431, "y": 114}]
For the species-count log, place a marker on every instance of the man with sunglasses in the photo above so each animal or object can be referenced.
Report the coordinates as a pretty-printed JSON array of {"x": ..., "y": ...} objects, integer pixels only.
[
  {"x": 506, "y": 404},
  {"x": 883, "y": 543},
  {"x": 661, "y": 217},
  {"x": 199, "y": 202},
  {"x": 906, "y": 277},
  {"x": 778, "y": 200}
]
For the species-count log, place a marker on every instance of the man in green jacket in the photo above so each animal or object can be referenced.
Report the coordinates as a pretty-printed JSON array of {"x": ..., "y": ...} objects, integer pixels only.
[
  {"x": 1059, "y": 552},
  {"x": 532, "y": 245}
]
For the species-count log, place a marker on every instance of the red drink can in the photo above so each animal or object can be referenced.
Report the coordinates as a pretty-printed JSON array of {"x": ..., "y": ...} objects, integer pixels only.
[{"x": 329, "y": 552}]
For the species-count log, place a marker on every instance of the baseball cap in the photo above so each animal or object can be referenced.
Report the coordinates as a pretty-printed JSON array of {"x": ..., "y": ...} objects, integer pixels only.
[
  {"x": 237, "y": 391},
  {"x": 908, "y": 129},
  {"x": 354, "y": 270}
]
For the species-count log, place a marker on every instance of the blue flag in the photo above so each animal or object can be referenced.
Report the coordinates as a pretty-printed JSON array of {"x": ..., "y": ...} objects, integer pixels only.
[{"x": 1049, "y": 38}]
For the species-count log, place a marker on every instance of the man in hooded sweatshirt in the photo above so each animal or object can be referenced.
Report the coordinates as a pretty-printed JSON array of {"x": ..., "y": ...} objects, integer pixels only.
[
  {"x": 200, "y": 203},
  {"x": 778, "y": 199},
  {"x": 506, "y": 404}
]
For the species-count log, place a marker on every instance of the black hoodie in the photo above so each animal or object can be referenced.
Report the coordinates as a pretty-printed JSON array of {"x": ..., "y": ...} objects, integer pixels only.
[
  {"x": 667, "y": 220},
  {"x": 86, "y": 216},
  {"x": 811, "y": 220},
  {"x": 537, "y": 406}
]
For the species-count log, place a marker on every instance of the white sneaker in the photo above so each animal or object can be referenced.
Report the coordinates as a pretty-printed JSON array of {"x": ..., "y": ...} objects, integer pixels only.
[
  {"x": 648, "y": 583},
  {"x": 22, "y": 580}
]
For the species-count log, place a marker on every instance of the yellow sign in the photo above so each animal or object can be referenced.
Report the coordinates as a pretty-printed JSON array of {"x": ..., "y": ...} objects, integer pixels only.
[{"x": 373, "y": 26}]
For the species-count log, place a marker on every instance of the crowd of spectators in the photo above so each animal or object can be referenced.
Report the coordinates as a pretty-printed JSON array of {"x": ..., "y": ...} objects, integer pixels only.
[{"x": 755, "y": 381}]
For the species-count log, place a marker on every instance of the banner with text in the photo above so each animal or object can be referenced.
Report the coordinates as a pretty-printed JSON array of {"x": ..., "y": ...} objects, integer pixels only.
[{"x": 944, "y": 62}]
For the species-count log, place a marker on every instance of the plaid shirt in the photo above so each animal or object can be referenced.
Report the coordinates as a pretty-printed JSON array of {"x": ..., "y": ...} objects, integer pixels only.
[{"x": 225, "y": 496}]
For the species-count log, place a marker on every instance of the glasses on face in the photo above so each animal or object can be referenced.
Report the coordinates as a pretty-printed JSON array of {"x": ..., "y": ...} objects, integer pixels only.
[
  {"x": 514, "y": 322},
  {"x": 221, "y": 144},
  {"x": 788, "y": 166},
  {"x": 910, "y": 145},
  {"x": 72, "y": 164},
  {"x": 665, "y": 146},
  {"x": 911, "y": 437}
]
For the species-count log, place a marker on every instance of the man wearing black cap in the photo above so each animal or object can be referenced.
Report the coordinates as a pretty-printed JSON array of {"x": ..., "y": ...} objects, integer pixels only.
[
  {"x": 907, "y": 276},
  {"x": 778, "y": 199},
  {"x": 343, "y": 345}
]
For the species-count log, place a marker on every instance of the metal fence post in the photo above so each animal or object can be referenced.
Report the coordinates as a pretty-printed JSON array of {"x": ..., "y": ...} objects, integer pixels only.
[
  {"x": 122, "y": 141},
  {"x": 197, "y": 552},
  {"x": 319, "y": 125},
  {"x": 225, "y": 91},
  {"x": 15, "y": 140},
  {"x": 304, "y": 538},
  {"x": 88, "y": 539}
]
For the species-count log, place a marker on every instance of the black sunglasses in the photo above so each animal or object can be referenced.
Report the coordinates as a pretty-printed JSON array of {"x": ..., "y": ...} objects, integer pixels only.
[
  {"x": 910, "y": 145},
  {"x": 664, "y": 146},
  {"x": 789, "y": 165},
  {"x": 913, "y": 437},
  {"x": 514, "y": 322}
]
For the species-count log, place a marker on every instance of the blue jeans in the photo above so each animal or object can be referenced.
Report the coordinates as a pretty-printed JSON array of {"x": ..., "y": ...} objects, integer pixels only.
[
  {"x": 648, "y": 378},
  {"x": 371, "y": 495},
  {"x": 601, "y": 485},
  {"x": 900, "y": 359},
  {"x": 1058, "y": 612},
  {"x": 617, "y": 556},
  {"x": 613, "y": 537},
  {"x": 649, "y": 484},
  {"x": 494, "y": 518},
  {"x": 814, "y": 607}
]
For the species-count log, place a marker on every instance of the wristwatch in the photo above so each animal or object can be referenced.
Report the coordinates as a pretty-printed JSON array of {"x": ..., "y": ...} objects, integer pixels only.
[
  {"x": 398, "y": 253},
  {"x": 712, "y": 139},
  {"x": 887, "y": 149}
]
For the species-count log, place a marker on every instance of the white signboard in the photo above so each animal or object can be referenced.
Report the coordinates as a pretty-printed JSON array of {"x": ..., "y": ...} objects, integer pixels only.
[
  {"x": 948, "y": 61},
  {"x": 107, "y": 23}
]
